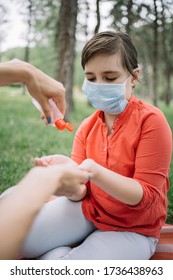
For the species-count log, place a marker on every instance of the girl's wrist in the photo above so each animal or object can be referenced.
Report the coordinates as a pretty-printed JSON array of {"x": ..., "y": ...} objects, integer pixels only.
[{"x": 94, "y": 170}]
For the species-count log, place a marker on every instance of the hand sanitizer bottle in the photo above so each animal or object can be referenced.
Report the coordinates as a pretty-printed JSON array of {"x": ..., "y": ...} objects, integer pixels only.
[{"x": 58, "y": 118}]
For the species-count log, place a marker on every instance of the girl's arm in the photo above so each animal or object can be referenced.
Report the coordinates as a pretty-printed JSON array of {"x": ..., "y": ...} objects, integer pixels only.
[{"x": 125, "y": 189}]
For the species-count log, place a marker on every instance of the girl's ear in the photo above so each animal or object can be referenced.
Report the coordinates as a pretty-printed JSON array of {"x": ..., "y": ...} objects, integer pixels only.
[{"x": 134, "y": 80}]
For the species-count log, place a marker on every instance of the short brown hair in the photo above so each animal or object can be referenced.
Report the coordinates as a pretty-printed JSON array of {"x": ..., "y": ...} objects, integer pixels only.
[{"x": 110, "y": 42}]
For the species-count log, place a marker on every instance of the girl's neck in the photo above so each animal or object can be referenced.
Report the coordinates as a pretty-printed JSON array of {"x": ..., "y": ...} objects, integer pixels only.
[{"x": 109, "y": 121}]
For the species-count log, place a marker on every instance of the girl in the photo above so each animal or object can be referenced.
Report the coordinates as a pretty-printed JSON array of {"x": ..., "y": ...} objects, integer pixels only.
[{"x": 126, "y": 147}]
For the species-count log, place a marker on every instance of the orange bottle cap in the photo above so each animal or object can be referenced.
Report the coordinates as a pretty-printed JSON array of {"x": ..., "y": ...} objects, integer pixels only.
[{"x": 60, "y": 124}]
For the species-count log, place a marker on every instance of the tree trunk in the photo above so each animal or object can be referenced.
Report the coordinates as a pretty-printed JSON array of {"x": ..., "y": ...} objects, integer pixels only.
[
  {"x": 28, "y": 39},
  {"x": 155, "y": 55},
  {"x": 166, "y": 71},
  {"x": 29, "y": 25},
  {"x": 86, "y": 18},
  {"x": 98, "y": 16},
  {"x": 66, "y": 48},
  {"x": 129, "y": 16}
]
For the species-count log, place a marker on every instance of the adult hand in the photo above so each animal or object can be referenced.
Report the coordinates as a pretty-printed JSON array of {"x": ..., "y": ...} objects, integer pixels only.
[
  {"x": 74, "y": 188},
  {"x": 19, "y": 208},
  {"x": 62, "y": 180},
  {"x": 72, "y": 182},
  {"x": 40, "y": 86}
]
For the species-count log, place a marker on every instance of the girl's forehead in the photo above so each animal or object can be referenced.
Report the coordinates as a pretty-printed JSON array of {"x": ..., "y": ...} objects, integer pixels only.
[{"x": 105, "y": 62}]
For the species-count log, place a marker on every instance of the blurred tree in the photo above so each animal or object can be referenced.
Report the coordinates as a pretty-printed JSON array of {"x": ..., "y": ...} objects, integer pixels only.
[
  {"x": 29, "y": 19},
  {"x": 165, "y": 8},
  {"x": 86, "y": 16},
  {"x": 28, "y": 9},
  {"x": 66, "y": 48},
  {"x": 149, "y": 24},
  {"x": 52, "y": 25},
  {"x": 155, "y": 53},
  {"x": 129, "y": 16},
  {"x": 36, "y": 15},
  {"x": 96, "y": 30},
  {"x": 3, "y": 22},
  {"x": 158, "y": 23},
  {"x": 125, "y": 15}
]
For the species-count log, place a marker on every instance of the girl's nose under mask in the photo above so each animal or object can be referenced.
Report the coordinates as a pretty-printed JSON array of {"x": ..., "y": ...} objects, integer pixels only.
[{"x": 109, "y": 98}]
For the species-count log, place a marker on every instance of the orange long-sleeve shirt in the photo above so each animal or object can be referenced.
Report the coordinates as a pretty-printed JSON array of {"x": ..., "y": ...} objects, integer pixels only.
[{"x": 139, "y": 147}]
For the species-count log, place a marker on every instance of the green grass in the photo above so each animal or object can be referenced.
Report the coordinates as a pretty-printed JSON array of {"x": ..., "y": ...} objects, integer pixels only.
[
  {"x": 168, "y": 111},
  {"x": 23, "y": 136}
]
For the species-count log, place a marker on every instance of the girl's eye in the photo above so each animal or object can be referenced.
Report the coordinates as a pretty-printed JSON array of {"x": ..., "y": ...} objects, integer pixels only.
[
  {"x": 110, "y": 79},
  {"x": 91, "y": 79}
]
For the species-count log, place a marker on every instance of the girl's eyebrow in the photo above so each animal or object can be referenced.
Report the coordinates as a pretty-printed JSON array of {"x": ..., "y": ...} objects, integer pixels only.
[
  {"x": 87, "y": 72},
  {"x": 104, "y": 72},
  {"x": 111, "y": 72}
]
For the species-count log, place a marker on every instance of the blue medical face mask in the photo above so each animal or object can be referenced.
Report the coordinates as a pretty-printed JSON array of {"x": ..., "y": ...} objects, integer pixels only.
[{"x": 109, "y": 98}]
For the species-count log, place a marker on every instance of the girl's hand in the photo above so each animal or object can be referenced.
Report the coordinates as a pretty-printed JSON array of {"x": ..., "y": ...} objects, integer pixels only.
[
  {"x": 89, "y": 165},
  {"x": 53, "y": 160}
]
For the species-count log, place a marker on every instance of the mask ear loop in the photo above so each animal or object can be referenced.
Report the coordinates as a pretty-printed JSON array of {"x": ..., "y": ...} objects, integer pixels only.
[{"x": 136, "y": 79}]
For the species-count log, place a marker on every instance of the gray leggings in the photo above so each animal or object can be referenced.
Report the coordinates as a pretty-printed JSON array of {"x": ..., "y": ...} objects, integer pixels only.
[{"x": 61, "y": 223}]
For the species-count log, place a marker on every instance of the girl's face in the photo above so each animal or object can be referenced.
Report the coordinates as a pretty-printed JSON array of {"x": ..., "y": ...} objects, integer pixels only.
[{"x": 103, "y": 68}]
